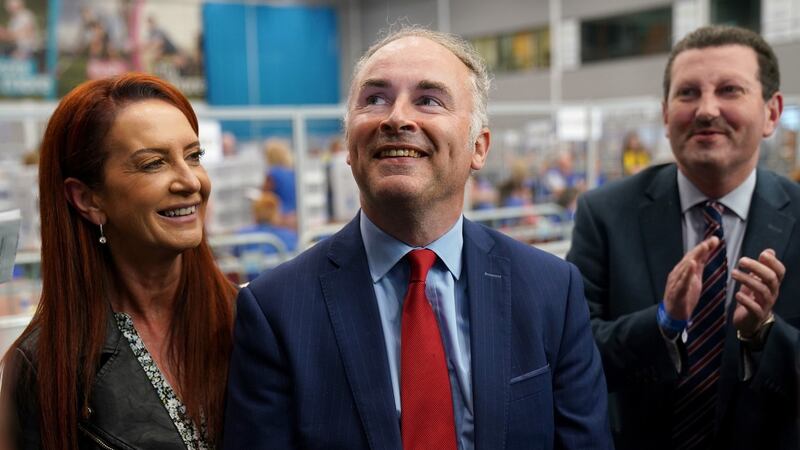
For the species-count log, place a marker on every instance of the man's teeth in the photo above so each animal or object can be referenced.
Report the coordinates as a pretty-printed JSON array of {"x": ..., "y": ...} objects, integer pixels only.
[
  {"x": 400, "y": 152},
  {"x": 179, "y": 212}
]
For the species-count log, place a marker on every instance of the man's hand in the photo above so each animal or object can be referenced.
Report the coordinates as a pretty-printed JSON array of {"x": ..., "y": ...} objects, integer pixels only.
[
  {"x": 685, "y": 281},
  {"x": 758, "y": 292}
]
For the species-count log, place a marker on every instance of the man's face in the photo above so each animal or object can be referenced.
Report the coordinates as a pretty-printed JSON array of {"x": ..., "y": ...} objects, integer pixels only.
[
  {"x": 715, "y": 114},
  {"x": 408, "y": 127}
]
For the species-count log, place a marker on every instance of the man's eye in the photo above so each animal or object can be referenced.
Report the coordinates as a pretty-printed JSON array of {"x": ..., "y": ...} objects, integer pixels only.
[
  {"x": 429, "y": 101},
  {"x": 686, "y": 92},
  {"x": 376, "y": 100},
  {"x": 730, "y": 89}
]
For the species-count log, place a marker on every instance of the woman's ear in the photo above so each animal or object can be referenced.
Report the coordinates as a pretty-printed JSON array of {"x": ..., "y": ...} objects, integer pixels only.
[{"x": 83, "y": 198}]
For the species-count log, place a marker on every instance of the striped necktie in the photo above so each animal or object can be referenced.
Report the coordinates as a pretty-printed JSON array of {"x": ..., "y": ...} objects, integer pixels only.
[{"x": 695, "y": 398}]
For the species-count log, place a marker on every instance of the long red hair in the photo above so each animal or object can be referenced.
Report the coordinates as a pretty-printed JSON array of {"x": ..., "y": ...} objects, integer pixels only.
[{"x": 72, "y": 313}]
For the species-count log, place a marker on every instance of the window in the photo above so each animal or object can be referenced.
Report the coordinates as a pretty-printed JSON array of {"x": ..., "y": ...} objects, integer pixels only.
[
  {"x": 633, "y": 34},
  {"x": 515, "y": 51},
  {"x": 742, "y": 13}
]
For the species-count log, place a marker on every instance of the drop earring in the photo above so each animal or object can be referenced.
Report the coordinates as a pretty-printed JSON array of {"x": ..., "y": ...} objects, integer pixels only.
[{"x": 102, "y": 239}]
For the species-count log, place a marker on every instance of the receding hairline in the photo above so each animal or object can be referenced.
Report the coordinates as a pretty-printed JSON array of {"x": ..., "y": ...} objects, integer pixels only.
[{"x": 358, "y": 83}]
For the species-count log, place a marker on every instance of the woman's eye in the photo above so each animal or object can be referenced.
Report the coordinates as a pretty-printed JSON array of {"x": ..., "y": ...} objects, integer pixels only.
[
  {"x": 196, "y": 156},
  {"x": 153, "y": 164}
]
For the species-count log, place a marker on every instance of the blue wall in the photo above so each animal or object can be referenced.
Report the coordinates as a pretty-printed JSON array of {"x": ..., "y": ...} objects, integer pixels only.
[{"x": 271, "y": 55}]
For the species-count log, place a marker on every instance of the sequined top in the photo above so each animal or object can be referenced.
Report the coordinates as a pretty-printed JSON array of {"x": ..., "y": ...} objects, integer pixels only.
[{"x": 193, "y": 436}]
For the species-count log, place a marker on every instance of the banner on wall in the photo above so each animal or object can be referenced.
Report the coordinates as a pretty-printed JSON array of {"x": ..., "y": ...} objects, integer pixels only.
[
  {"x": 23, "y": 55},
  {"x": 101, "y": 38}
]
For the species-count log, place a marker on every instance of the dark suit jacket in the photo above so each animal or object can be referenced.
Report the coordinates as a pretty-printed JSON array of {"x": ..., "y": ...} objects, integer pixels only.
[
  {"x": 627, "y": 238},
  {"x": 309, "y": 366}
]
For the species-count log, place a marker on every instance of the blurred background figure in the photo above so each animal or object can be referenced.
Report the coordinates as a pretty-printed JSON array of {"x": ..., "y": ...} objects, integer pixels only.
[
  {"x": 635, "y": 156},
  {"x": 561, "y": 175},
  {"x": 229, "y": 144},
  {"x": 343, "y": 194},
  {"x": 104, "y": 58},
  {"x": 267, "y": 217},
  {"x": 483, "y": 194},
  {"x": 21, "y": 31},
  {"x": 517, "y": 191},
  {"x": 280, "y": 179}
]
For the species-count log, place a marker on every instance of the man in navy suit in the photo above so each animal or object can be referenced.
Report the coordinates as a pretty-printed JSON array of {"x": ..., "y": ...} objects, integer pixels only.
[
  {"x": 685, "y": 368},
  {"x": 319, "y": 358}
]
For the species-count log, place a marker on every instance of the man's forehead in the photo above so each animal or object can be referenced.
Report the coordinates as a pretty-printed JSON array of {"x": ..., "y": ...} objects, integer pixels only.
[
  {"x": 412, "y": 51},
  {"x": 735, "y": 57}
]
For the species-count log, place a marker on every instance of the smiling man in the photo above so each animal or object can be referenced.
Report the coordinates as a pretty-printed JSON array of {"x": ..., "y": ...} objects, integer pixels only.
[
  {"x": 413, "y": 327},
  {"x": 692, "y": 270}
]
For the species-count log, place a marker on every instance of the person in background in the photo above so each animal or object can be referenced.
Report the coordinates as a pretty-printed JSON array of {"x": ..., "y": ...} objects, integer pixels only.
[
  {"x": 635, "y": 156},
  {"x": 413, "y": 327},
  {"x": 22, "y": 31},
  {"x": 692, "y": 270},
  {"x": 129, "y": 345},
  {"x": 229, "y": 145},
  {"x": 266, "y": 214},
  {"x": 516, "y": 192},
  {"x": 561, "y": 175},
  {"x": 280, "y": 179}
]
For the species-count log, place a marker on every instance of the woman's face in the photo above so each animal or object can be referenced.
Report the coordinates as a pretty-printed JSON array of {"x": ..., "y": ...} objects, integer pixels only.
[{"x": 155, "y": 190}]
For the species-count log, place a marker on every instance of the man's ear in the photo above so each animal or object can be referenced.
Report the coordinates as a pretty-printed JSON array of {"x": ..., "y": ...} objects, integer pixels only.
[
  {"x": 772, "y": 112},
  {"x": 83, "y": 198},
  {"x": 481, "y": 149}
]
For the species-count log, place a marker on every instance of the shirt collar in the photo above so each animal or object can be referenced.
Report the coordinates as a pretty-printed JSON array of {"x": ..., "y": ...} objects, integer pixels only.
[
  {"x": 737, "y": 200},
  {"x": 384, "y": 251}
]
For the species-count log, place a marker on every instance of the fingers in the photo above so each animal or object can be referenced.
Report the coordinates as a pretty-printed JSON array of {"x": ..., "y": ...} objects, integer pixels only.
[
  {"x": 703, "y": 250},
  {"x": 763, "y": 276},
  {"x": 760, "y": 282},
  {"x": 748, "y": 301},
  {"x": 748, "y": 313},
  {"x": 683, "y": 289}
]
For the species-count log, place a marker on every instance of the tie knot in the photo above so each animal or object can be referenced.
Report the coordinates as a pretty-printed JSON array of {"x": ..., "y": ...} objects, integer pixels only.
[
  {"x": 421, "y": 261},
  {"x": 713, "y": 212}
]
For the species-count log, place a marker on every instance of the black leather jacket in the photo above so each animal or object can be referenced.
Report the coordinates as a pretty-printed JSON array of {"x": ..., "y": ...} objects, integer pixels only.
[{"x": 125, "y": 411}]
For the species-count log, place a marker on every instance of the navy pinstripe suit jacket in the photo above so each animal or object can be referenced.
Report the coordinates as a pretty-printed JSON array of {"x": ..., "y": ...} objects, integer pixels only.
[{"x": 309, "y": 368}]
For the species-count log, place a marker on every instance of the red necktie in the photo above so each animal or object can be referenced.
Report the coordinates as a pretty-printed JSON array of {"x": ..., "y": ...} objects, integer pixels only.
[{"x": 426, "y": 415}]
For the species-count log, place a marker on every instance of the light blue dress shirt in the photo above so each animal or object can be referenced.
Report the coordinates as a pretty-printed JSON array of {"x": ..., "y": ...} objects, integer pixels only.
[{"x": 447, "y": 292}]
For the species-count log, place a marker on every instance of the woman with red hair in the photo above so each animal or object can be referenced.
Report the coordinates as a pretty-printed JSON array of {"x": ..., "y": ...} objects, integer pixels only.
[{"x": 129, "y": 345}]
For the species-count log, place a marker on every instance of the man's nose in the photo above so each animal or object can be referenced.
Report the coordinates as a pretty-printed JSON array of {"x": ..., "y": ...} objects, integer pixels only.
[
  {"x": 707, "y": 107},
  {"x": 400, "y": 118}
]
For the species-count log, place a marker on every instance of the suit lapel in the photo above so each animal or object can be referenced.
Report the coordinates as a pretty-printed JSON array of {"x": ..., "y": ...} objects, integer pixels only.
[
  {"x": 489, "y": 292},
  {"x": 354, "y": 315},
  {"x": 660, "y": 222},
  {"x": 767, "y": 227}
]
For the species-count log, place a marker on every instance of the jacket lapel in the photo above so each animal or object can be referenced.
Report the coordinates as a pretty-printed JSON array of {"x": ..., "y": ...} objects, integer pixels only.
[
  {"x": 353, "y": 311},
  {"x": 489, "y": 292},
  {"x": 125, "y": 408},
  {"x": 767, "y": 227},
  {"x": 660, "y": 222}
]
